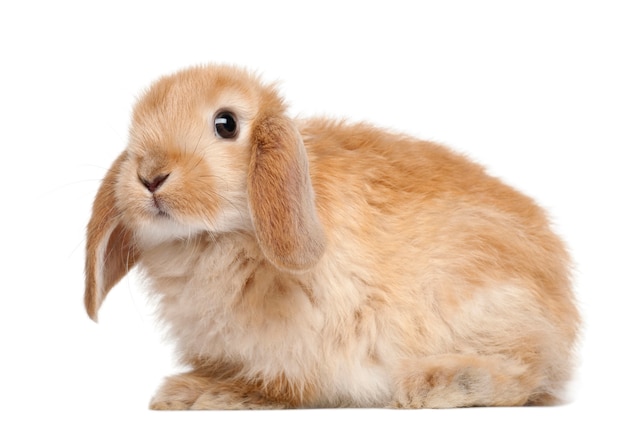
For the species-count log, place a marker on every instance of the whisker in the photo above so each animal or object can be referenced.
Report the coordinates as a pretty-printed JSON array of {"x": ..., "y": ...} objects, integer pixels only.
[
  {"x": 212, "y": 195},
  {"x": 236, "y": 208},
  {"x": 80, "y": 244},
  {"x": 212, "y": 176},
  {"x": 195, "y": 152},
  {"x": 198, "y": 142},
  {"x": 67, "y": 185},
  {"x": 93, "y": 166},
  {"x": 200, "y": 159}
]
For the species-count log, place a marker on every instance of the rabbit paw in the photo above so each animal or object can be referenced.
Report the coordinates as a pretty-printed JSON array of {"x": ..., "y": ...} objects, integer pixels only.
[
  {"x": 212, "y": 400},
  {"x": 179, "y": 392}
]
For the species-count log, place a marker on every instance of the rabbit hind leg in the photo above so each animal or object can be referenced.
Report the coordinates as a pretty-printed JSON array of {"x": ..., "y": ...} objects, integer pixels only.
[{"x": 460, "y": 380}]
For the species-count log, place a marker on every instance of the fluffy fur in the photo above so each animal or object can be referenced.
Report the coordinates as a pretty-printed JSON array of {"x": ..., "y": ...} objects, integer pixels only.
[{"x": 316, "y": 263}]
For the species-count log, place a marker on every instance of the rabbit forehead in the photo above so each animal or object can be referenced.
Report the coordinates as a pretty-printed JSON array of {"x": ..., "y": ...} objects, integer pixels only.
[
  {"x": 244, "y": 105},
  {"x": 176, "y": 95}
]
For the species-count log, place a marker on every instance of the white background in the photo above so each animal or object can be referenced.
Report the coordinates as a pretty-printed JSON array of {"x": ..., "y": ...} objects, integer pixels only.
[{"x": 533, "y": 90}]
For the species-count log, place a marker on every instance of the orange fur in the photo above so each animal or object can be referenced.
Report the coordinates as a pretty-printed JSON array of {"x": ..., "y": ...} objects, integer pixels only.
[
  {"x": 279, "y": 169},
  {"x": 315, "y": 263}
]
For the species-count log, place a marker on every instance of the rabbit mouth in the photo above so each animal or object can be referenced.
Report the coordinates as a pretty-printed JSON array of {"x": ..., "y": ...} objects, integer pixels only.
[
  {"x": 158, "y": 209},
  {"x": 162, "y": 214},
  {"x": 158, "y": 206}
]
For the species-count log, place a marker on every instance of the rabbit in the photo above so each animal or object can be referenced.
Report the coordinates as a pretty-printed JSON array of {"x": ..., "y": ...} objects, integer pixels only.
[{"x": 316, "y": 262}]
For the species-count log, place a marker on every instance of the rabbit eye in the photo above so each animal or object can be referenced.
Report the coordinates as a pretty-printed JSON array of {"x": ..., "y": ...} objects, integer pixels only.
[{"x": 226, "y": 125}]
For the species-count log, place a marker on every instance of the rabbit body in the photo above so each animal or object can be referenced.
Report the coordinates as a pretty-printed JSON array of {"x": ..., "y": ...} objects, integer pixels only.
[{"x": 317, "y": 263}]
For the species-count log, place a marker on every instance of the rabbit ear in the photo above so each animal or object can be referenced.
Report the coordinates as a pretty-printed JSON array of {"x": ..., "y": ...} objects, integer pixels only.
[
  {"x": 281, "y": 196},
  {"x": 111, "y": 251}
]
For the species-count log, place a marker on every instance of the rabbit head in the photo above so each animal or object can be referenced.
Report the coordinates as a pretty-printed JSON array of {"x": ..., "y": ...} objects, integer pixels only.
[{"x": 211, "y": 149}]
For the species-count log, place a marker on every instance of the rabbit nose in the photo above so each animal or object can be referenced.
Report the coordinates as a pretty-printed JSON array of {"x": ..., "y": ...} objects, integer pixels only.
[{"x": 155, "y": 183}]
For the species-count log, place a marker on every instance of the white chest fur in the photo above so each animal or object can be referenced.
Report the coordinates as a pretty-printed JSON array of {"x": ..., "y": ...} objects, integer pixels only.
[{"x": 222, "y": 300}]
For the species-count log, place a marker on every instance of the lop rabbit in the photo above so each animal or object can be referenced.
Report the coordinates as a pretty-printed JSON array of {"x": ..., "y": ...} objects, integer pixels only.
[{"x": 318, "y": 263}]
